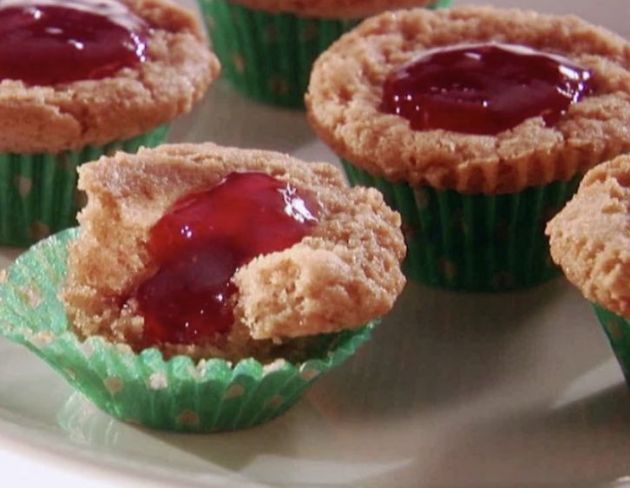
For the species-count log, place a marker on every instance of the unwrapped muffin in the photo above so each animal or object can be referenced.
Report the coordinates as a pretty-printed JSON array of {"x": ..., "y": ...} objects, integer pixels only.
[
  {"x": 477, "y": 124},
  {"x": 263, "y": 270}
]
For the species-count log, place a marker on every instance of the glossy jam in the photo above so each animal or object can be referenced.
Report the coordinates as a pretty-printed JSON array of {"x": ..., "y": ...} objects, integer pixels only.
[
  {"x": 203, "y": 240},
  {"x": 45, "y": 42},
  {"x": 483, "y": 88}
]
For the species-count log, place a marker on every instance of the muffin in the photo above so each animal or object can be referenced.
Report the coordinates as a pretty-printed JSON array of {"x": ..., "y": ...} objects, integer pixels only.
[
  {"x": 590, "y": 241},
  {"x": 206, "y": 283},
  {"x": 82, "y": 79},
  {"x": 267, "y": 47},
  {"x": 477, "y": 125}
]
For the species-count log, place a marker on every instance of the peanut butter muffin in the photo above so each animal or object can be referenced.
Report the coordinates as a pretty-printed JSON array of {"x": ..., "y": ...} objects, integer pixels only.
[
  {"x": 267, "y": 47},
  {"x": 477, "y": 124},
  {"x": 333, "y": 265},
  {"x": 79, "y": 79},
  {"x": 252, "y": 273},
  {"x": 590, "y": 240}
]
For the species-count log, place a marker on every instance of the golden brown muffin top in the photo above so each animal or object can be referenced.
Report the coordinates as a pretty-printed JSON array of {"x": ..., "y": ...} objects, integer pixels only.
[
  {"x": 590, "y": 237},
  {"x": 135, "y": 100},
  {"x": 335, "y": 9},
  {"x": 345, "y": 273},
  {"x": 346, "y": 90}
]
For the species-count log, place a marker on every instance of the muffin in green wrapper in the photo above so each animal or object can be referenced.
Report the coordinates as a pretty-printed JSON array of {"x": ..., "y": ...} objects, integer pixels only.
[
  {"x": 590, "y": 241},
  {"x": 174, "y": 394},
  {"x": 617, "y": 329},
  {"x": 267, "y": 48},
  {"x": 38, "y": 192},
  {"x": 474, "y": 242},
  {"x": 116, "y": 86},
  {"x": 463, "y": 122},
  {"x": 207, "y": 287}
]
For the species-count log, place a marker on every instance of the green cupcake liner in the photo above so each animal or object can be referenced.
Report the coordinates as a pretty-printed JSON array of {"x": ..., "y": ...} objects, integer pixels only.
[
  {"x": 179, "y": 395},
  {"x": 38, "y": 194},
  {"x": 474, "y": 242},
  {"x": 268, "y": 56},
  {"x": 617, "y": 330}
]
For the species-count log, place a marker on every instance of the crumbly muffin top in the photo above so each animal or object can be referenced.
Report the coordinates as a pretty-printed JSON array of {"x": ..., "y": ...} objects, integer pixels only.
[
  {"x": 135, "y": 100},
  {"x": 346, "y": 9},
  {"x": 590, "y": 237},
  {"x": 347, "y": 83},
  {"x": 346, "y": 272}
]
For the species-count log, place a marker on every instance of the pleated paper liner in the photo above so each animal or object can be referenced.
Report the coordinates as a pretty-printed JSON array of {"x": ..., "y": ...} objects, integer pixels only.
[
  {"x": 38, "y": 195},
  {"x": 269, "y": 56},
  {"x": 617, "y": 330},
  {"x": 474, "y": 242},
  {"x": 176, "y": 394}
]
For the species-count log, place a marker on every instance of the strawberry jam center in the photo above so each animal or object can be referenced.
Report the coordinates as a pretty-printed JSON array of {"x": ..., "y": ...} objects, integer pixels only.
[
  {"x": 201, "y": 242},
  {"x": 45, "y": 42},
  {"x": 483, "y": 88}
]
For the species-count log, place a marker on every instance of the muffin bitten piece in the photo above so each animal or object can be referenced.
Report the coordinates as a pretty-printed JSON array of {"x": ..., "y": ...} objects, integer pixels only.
[
  {"x": 590, "y": 238},
  {"x": 344, "y": 273}
]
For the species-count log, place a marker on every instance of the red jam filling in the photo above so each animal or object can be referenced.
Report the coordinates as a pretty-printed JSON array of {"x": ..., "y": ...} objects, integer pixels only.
[
  {"x": 45, "y": 42},
  {"x": 203, "y": 240},
  {"x": 483, "y": 88}
]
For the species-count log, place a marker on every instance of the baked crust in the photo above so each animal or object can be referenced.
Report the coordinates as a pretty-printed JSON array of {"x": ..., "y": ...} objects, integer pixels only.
[
  {"x": 590, "y": 237},
  {"x": 346, "y": 90},
  {"x": 133, "y": 101},
  {"x": 342, "y": 275},
  {"x": 339, "y": 9}
]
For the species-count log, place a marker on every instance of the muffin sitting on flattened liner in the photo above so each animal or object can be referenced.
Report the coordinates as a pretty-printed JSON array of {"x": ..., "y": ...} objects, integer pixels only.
[
  {"x": 212, "y": 254},
  {"x": 267, "y": 47},
  {"x": 590, "y": 240},
  {"x": 477, "y": 125},
  {"x": 83, "y": 78}
]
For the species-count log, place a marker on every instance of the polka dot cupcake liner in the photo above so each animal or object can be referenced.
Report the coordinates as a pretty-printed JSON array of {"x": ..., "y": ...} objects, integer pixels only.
[
  {"x": 617, "y": 330},
  {"x": 474, "y": 242},
  {"x": 175, "y": 394},
  {"x": 268, "y": 56},
  {"x": 38, "y": 194}
]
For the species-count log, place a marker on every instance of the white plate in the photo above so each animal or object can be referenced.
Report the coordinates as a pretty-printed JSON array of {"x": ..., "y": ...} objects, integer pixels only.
[{"x": 454, "y": 390}]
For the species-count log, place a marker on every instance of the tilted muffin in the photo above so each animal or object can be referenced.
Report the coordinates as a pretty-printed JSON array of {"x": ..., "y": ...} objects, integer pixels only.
[
  {"x": 209, "y": 254},
  {"x": 477, "y": 125},
  {"x": 267, "y": 47},
  {"x": 80, "y": 79},
  {"x": 590, "y": 240}
]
